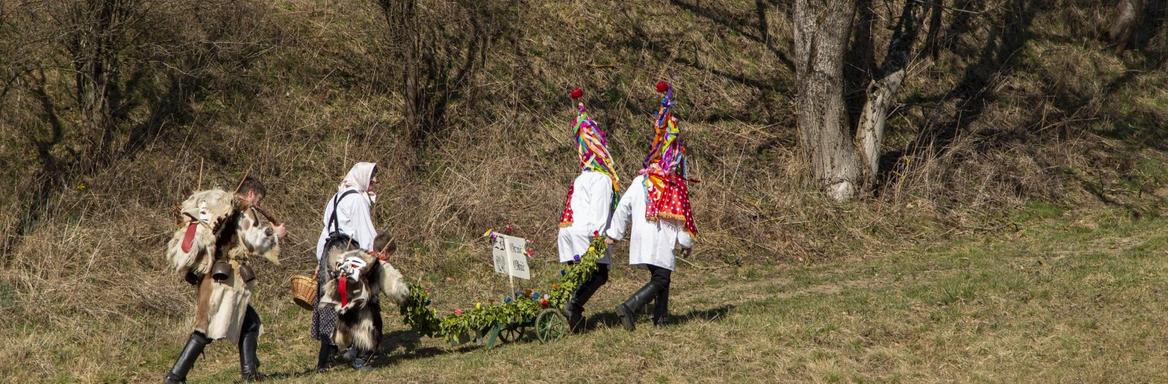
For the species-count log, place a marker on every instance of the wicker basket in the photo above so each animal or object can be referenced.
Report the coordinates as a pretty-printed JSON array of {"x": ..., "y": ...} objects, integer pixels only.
[{"x": 304, "y": 291}]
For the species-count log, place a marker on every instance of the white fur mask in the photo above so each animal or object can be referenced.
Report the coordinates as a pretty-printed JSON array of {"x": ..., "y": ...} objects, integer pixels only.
[{"x": 351, "y": 266}]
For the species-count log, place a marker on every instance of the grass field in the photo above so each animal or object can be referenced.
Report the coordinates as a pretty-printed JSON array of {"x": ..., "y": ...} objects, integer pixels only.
[
  {"x": 965, "y": 265},
  {"x": 1060, "y": 297}
]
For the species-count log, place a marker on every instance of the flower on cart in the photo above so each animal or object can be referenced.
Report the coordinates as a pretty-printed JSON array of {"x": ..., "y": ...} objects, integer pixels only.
[
  {"x": 555, "y": 286},
  {"x": 479, "y": 305},
  {"x": 458, "y": 311},
  {"x": 507, "y": 300},
  {"x": 562, "y": 272},
  {"x": 576, "y": 258},
  {"x": 535, "y": 295},
  {"x": 543, "y": 303},
  {"x": 508, "y": 229},
  {"x": 531, "y": 252},
  {"x": 596, "y": 233}
]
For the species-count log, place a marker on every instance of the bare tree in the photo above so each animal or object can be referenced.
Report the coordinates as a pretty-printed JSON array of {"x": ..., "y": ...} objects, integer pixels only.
[
  {"x": 843, "y": 163},
  {"x": 821, "y": 30},
  {"x": 436, "y": 58},
  {"x": 92, "y": 81}
]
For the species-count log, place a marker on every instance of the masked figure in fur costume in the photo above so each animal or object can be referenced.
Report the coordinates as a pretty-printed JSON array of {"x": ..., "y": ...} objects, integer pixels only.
[
  {"x": 359, "y": 278},
  {"x": 657, "y": 206},
  {"x": 214, "y": 250},
  {"x": 588, "y": 207}
]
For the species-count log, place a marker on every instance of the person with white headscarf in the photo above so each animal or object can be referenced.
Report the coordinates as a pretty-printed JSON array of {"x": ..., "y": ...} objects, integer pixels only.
[
  {"x": 348, "y": 224},
  {"x": 352, "y": 205}
]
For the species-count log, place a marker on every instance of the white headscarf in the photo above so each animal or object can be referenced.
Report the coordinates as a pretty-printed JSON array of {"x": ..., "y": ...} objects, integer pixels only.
[{"x": 358, "y": 178}]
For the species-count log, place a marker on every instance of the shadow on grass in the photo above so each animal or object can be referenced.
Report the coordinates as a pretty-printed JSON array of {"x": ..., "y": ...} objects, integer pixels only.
[{"x": 611, "y": 319}]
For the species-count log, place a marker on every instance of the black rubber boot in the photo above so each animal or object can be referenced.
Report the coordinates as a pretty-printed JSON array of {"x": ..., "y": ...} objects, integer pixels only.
[
  {"x": 186, "y": 359},
  {"x": 628, "y": 310},
  {"x": 661, "y": 307},
  {"x": 249, "y": 364},
  {"x": 324, "y": 359}
]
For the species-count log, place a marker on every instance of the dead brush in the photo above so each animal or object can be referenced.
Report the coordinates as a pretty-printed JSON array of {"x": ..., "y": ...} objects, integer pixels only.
[{"x": 92, "y": 268}]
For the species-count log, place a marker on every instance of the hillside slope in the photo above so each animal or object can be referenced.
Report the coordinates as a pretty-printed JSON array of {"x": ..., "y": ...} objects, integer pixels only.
[{"x": 1023, "y": 105}]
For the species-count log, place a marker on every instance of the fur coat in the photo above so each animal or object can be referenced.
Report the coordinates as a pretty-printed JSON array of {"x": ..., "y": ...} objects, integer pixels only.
[
  {"x": 225, "y": 232},
  {"x": 365, "y": 278}
]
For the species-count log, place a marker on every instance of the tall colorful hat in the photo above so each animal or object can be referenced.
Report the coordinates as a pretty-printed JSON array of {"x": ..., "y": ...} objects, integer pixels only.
[
  {"x": 591, "y": 144},
  {"x": 666, "y": 150},
  {"x": 665, "y": 168},
  {"x": 591, "y": 154}
]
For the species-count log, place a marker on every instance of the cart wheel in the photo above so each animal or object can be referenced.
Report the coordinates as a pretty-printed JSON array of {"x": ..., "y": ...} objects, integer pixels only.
[
  {"x": 511, "y": 333},
  {"x": 551, "y": 325}
]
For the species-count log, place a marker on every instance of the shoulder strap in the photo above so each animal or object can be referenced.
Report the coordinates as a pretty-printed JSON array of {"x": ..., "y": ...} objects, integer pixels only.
[{"x": 333, "y": 225}]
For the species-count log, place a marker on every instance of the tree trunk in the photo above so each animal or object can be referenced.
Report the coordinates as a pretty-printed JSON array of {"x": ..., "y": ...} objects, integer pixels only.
[
  {"x": 1125, "y": 22},
  {"x": 873, "y": 119},
  {"x": 882, "y": 92},
  {"x": 822, "y": 28},
  {"x": 401, "y": 18}
]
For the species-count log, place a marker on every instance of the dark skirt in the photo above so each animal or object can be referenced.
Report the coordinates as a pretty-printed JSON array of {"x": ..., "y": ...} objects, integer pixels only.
[{"x": 324, "y": 317}]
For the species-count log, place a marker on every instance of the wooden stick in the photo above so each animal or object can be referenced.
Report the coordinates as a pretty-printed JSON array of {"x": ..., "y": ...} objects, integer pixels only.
[
  {"x": 267, "y": 215},
  {"x": 199, "y": 187},
  {"x": 241, "y": 179}
]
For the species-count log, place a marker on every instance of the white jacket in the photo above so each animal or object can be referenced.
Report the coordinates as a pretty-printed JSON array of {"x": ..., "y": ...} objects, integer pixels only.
[
  {"x": 353, "y": 218},
  {"x": 652, "y": 242},
  {"x": 591, "y": 206}
]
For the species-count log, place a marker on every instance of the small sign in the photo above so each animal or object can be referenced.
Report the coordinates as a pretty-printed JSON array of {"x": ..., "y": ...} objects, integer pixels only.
[{"x": 510, "y": 254}]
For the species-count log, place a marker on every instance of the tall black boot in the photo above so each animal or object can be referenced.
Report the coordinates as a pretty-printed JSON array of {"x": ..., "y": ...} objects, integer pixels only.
[
  {"x": 661, "y": 307},
  {"x": 249, "y": 363},
  {"x": 325, "y": 357},
  {"x": 583, "y": 293},
  {"x": 186, "y": 358},
  {"x": 628, "y": 310}
]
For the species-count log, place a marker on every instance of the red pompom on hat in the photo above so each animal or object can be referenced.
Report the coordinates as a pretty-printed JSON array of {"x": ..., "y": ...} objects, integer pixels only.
[
  {"x": 662, "y": 86},
  {"x": 577, "y": 93}
]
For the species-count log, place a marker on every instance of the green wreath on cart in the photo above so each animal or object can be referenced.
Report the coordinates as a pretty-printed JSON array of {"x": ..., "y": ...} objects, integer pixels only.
[{"x": 506, "y": 321}]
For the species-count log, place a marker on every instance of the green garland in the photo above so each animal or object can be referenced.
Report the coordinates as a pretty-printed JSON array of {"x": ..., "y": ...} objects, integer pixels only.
[{"x": 522, "y": 309}]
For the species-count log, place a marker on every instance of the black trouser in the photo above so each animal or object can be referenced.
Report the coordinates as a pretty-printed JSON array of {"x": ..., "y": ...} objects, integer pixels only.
[
  {"x": 251, "y": 321},
  {"x": 582, "y": 294},
  {"x": 588, "y": 288},
  {"x": 660, "y": 277}
]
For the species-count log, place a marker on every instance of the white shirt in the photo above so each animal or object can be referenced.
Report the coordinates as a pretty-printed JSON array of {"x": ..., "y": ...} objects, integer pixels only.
[
  {"x": 591, "y": 206},
  {"x": 353, "y": 218},
  {"x": 652, "y": 242}
]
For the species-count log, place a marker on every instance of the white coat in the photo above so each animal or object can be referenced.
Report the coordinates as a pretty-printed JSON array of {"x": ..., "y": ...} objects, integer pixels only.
[
  {"x": 591, "y": 206},
  {"x": 353, "y": 219},
  {"x": 652, "y": 242}
]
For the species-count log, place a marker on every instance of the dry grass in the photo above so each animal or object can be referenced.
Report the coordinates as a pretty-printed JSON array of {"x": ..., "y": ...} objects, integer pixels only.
[
  {"x": 1070, "y": 297},
  {"x": 1058, "y": 120}
]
